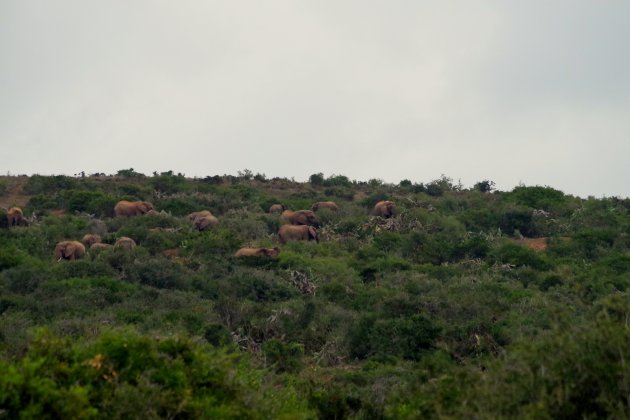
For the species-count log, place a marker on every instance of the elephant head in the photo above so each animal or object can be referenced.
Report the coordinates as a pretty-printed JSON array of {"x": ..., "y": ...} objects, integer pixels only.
[
  {"x": 69, "y": 250},
  {"x": 277, "y": 208}
]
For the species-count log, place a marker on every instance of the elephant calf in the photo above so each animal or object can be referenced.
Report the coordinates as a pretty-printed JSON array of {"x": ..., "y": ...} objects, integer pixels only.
[
  {"x": 277, "y": 208},
  {"x": 297, "y": 233},
  {"x": 99, "y": 245},
  {"x": 125, "y": 243},
  {"x": 258, "y": 252},
  {"x": 69, "y": 250},
  {"x": 91, "y": 239}
]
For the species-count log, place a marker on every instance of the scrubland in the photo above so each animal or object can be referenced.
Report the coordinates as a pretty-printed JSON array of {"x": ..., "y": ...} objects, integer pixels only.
[{"x": 468, "y": 303}]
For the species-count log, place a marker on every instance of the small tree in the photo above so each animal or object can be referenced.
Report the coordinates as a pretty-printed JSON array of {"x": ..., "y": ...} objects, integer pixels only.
[
  {"x": 484, "y": 186},
  {"x": 316, "y": 179}
]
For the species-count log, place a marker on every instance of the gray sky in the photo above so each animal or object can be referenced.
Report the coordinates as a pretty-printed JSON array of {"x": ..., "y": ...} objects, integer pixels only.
[{"x": 533, "y": 92}]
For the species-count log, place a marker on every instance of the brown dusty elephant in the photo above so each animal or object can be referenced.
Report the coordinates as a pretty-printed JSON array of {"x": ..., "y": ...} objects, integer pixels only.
[
  {"x": 99, "y": 246},
  {"x": 126, "y": 208},
  {"x": 69, "y": 250},
  {"x": 15, "y": 217},
  {"x": 385, "y": 209},
  {"x": 258, "y": 252},
  {"x": 330, "y": 205},
  {"x": 203, "y": 223},
  {"x": 277, "y": 208},
  {"x": 125, "y": 243},
  {"x": 90, "y": 239},
  {"x": 202, "y": 213},
  {"x": 300, "y": 217},
  {"x": 297, "y": 233}
]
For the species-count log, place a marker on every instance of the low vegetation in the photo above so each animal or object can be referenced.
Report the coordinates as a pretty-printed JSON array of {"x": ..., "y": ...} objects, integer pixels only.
[{"x": 467, "y": 303}]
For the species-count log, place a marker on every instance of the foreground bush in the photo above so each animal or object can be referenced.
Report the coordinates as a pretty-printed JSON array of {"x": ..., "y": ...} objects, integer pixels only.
[{"x": 126, "y": 375}]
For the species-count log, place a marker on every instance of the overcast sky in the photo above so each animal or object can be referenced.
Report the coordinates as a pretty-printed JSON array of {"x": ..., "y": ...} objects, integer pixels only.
[{"x": 532, "y": 92}]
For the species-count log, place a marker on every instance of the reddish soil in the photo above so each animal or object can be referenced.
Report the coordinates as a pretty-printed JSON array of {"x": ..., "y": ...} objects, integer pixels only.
[{"x": 537, "y": 244}]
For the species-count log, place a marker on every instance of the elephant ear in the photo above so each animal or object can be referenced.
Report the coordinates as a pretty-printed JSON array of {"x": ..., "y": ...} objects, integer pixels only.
[{"x": 68, "y": 250}]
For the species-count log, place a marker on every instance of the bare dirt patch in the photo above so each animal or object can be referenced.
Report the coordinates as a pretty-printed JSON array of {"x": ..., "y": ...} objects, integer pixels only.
[{"x": 537, "y": 244}]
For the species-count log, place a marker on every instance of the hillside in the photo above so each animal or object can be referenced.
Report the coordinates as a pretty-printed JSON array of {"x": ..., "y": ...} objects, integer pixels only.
[{"x": 467, "y": 303}]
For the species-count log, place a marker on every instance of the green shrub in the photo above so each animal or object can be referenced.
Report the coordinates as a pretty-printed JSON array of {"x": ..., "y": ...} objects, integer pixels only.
[
  {"x": 283, "y": 357},
  {"x": 157, "y": 272},
  {"x": 38, "y": 184},
  {"x": 406, "y": 337},
  {"x": 517, "y": 255},
  {"x": 538, "y": 197}
]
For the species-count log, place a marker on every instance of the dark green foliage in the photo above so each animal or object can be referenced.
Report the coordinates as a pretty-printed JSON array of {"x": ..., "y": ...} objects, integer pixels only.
[
  {"x": 38, "y": 184},
  {"x": 168, "y": 183},
  {"x": 129, "y": 173},
  {"x": 316, "y": 179},
  {"x": 538, "y": 197},
  {"x": 518, "y": 220},
  {"x": 406, "y": 337},
  {"x": 157, "y": 272},
  {"x": 484, "y": 186},
  {"x": 130, "y": 376},
  {"x": 283, "y": 357},
  {"x": 518, "y": 256}
]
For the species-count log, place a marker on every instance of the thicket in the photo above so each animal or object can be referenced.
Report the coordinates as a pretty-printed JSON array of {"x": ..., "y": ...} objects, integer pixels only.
[{"x": 441, "y": 311}]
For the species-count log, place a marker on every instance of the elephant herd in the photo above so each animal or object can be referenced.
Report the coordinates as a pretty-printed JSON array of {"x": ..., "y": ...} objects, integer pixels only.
[{"x": 300, "y": 225}]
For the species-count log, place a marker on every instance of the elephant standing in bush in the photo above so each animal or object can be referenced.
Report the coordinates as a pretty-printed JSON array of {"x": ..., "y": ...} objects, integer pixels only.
[
  {"x": 297, "y": 233},
  {"x": 201, "y": 220},
  {"x": 15, "y": 217},
  {"x": 90, "y": 239},
  {"x": 126, "y": 208},
  {"x": 69, "y": 250},
  {"x": 330, "y": 205},
  {"x": 385, "y": 209},
  {"x": 300, "y": 217},
  {"x": 125, "y": 243}
]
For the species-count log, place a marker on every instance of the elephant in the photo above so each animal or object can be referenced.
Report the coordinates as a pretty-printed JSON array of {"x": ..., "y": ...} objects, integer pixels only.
[
  {"x": 300, "y": 217},
  {"x": 69, "y": 250},
  {"x": 202, "y": 213},
  {"x": 132, "y": 208},
  {"x": 15, "y": 217},
  {"x": 125, "y": 243},
  {"x": 330, "y": 205},
  {"x": 297, "y": 233},
  {"x": 385, "y": 209},
  {"x": 277, "y": 208},
  {"x": 100, "y": 246},
  {"x": 202, "y": 220},
  {"x": 90, "y": 239},
  {"x": 257, "y": 252}
]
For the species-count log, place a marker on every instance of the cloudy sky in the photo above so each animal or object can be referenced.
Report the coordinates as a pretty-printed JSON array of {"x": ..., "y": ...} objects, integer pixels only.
[{"x": 532, "y": 92}]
